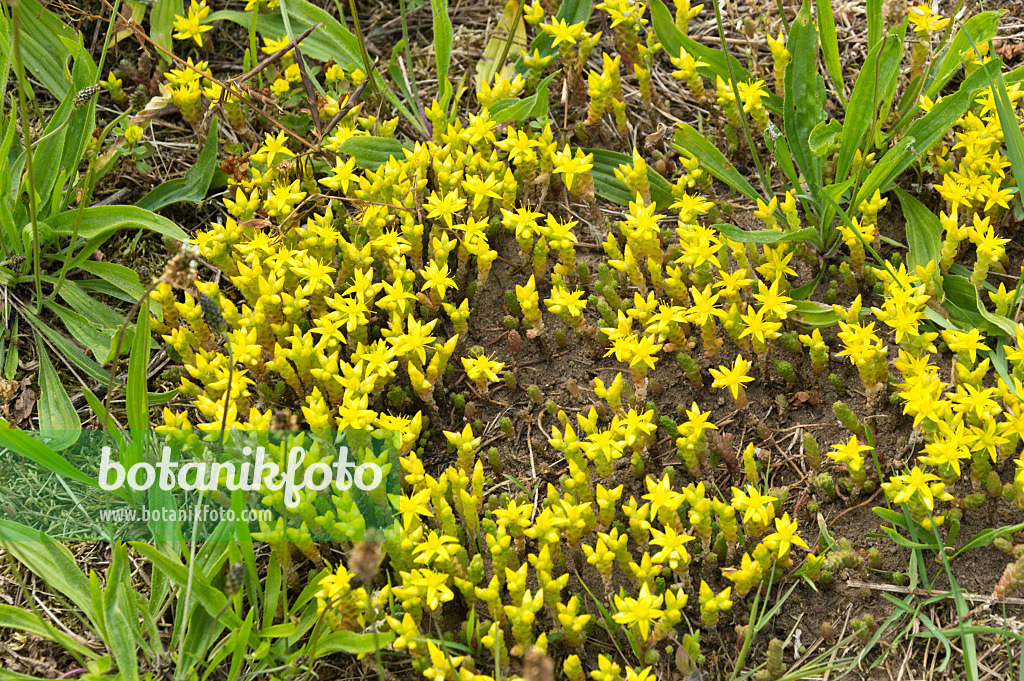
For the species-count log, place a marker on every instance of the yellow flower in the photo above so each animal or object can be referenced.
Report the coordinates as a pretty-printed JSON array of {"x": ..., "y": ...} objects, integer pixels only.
[
  {"x": 482, "y": 369},
  {"x": 132, "y": 134},
  {"x": 849, "y": 453},
  {"x": 272, "y": 148},
  {"x": 641, "y": 611},
  {"x": 191, "y": 25},
  {"x": 784, "y": 536},
  {"x": 732, "y": 378},
  {"x": 562, "y": 32}
]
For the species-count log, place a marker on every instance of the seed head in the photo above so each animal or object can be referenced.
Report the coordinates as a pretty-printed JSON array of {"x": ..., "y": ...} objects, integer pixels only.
[
  {"x": 83, "y": 96},
  {"x": 211, "y": 311},
  {"x": 234, "y": 578},
  {"x": 364, "y": 560}
]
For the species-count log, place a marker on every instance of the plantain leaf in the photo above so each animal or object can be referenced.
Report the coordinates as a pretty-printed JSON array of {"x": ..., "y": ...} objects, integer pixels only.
[
  {"x": 50, "y": 560},
  {"x": 764, "y": 236},
  {"x": 118, "y": 605},
  {"x": 830, "y": 45},
  {"x": 804, "y": 96},
  {"x": 33, "y": 448},
  {"x": 879, "y": 70},
  {"x": 982, "y": 28},
  {"x": 56, "y": 413},
  {"x": 12, "y": 617},
  {"x": 608, "y": 187},
  {"x": 924, "y": 232},
  {"x": 926, "y": 131},
  {"x": 122, "y": 277},
  {"x": 137, "y": 395},
  {"x": 372, "y": 152},
  {"x": 193, "y": 185},
  {"x": 690, "y": 142},
  {"x": 352, "y": 643},
  {"x": 212, "y": 600},
  {"x": 673, "y": 40},
  {"x": 97, "y": 220},
  {"x": 874, "y": 15},
  {"x": 823, "y": 136},
  {"x": 987, "y": 536},
  {"x": 161, "y": 22},
  {"x": 443, "y": 37},
  {"x": 45, "y": 54},
  {"x": 964, "y": 306}
]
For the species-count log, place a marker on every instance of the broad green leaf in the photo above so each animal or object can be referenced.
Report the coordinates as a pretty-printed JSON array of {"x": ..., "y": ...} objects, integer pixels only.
[
  {"x": 443, "y": 37},
  {"x": 47, "y": 153},
  {"x": 212, "y": 600},
  {"x": 352, "y": 643},
  {"x": 874, "y": 16},
  {"x": 880, "y": 68},
  {"x": 12, "y": 617},
  {"x": 488, "y": 65},
  {"x": 193, "y": 185},
  {"x": 690, "y": 142},
  {"x": 119, "y": 614},
  {"x": 161, "y": 22},
  {"x": 963, "y": 306},
  {"x": 924, "y": 232},
  {"x": 1012, "y": 137},
  {"x": 830, "y": 45},
  {"x": 138, "y": 366},
  {"x": 823, "y": 135},
  {"x": 534, "y": 106},
  {"x": 906, "y": 543},
  {"x": 672, "y": 39},
  {"x": 88, "y": 331},
  {"x": 817, "y": 314},
  {"x": 56, "y": 413},
  {"x": 97, "y": 220},
  {"x": 897, "y": 519},
  {"x": 987, "y": 536},
  {"x": 45, "y": 54},
  {"x": 120, "y": 276},
  {"x": 68, "y": 350},
  {"x": 982, "y": 28},
  {"x": 33, "y": 448},
  {"x": 50, "y": 560},
  {"x": 764, "y": 236},
  {"x": 926, "y": 131},
  {"x": 611, "y": 189},
  {"x": 372, "y": 152},
  {"x": 805, "y": 95}
]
